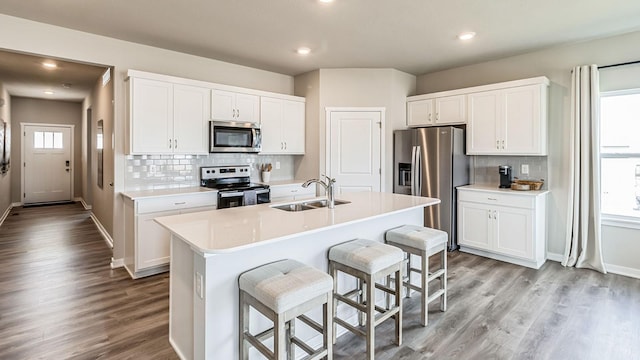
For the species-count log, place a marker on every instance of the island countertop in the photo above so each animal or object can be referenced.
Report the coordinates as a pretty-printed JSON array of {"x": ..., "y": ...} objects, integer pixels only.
[{"x": 229, "y": 230}]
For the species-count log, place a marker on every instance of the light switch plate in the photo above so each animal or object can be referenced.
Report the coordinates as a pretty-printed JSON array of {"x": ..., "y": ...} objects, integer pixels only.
[
  {"x": 524, "y": 169},
  {"x": 277, "y": 165}
]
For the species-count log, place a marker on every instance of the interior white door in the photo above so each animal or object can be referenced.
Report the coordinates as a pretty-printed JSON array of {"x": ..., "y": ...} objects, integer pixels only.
[
  {"x": 354, "y": 150},
  {"x": 47, "y": 164}
]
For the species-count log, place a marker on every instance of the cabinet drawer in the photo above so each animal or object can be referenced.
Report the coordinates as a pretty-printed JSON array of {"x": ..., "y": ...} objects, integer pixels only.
[
  {"x": 493, "y": 198},
  {"x": 177, "y": 202},
  {"x": 278, "y": 191}
]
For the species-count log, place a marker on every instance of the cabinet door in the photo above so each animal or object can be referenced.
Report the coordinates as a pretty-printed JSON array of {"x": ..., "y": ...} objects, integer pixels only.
[
  {"x": 151, "y": 117},
  {"x": 222, "y": 105},
  {"x": 190, "y": 119},
  {"x": 293, "y": 127},
  {"x": 247, "y": 108},
  {"x": 420, "y": 113},
  {"x": 475, "y": 225},
  {"x": 484, "y": 125},
  {"x": 514, "y": 232},
  {"x": 152, "y": 245},
  {"x": 451, "y": 110},
  {"x": 271, "y": 113},
  {"x": 522, "y": 121}
]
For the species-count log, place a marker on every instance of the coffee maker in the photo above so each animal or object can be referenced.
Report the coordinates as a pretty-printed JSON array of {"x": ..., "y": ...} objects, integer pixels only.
[{"x": 505, "y": 176}]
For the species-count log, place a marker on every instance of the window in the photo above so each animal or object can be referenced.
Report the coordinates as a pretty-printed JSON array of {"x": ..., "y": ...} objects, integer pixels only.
[
  {"x": 620, "y": 153},
  {"x": 47, "y": 140}
]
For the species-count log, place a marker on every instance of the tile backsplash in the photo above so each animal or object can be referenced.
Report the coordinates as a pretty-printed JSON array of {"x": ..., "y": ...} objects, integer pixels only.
[
  {"x": 485, "y": 168},
  {"x": 146, "y": 172}
]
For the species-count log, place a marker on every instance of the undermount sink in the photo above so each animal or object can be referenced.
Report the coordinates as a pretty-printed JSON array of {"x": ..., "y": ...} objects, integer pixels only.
[{"x": 307, "y": 205}]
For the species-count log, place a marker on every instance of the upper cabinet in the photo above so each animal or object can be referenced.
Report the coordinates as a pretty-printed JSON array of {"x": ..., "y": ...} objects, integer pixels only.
[
  {"x": 443, "y": 110},
  {"x": 508, "y": 118},
  {"x": 509, "y": 121},
  {"x": 166, "y": 118},
  {"x": 282, "y": 123},
  {"x": 234, "y": 106}
]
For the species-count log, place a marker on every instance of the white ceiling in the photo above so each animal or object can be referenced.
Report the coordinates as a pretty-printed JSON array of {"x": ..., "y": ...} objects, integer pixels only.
[{"x": 415, "y": 36}]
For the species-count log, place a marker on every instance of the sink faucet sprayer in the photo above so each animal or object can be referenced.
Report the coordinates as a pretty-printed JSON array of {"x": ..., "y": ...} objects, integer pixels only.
[{"x": 328, "y": 187}]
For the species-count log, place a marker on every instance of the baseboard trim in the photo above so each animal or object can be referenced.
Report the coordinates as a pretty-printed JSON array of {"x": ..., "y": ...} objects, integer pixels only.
[
  {"x": 623, "y": 270},
  {"x": 118, "y": 263},
  {"x": 6, "y": 213},
  {"x": 103, "y": 231},
  {"x": 84, "y": 204},
  {"x": 16, "y": 204},
  {"x": 555, "y": 257}
]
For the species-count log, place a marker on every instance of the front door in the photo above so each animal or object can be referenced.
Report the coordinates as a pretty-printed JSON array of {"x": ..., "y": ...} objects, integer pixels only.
[
  {"x": 47, "y": 163},
  {"x": 354, "y": 150}
]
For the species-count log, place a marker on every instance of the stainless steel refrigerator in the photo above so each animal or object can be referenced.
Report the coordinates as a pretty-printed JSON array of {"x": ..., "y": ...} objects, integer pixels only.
[{"x": 431, "y": 162}]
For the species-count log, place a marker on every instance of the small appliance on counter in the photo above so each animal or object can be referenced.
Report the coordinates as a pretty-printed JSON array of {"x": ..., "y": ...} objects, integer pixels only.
[
  {"x": 234, "y": 186},
  {"x": 505, "y": 176}
]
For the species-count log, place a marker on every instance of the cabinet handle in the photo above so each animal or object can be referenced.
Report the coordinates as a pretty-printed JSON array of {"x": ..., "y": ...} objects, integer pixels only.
[
  {"x": 238, "y": 112},
  {"x": 175, "y": 143},
  {"x": 281, "y": 145},
  {"x": 429, "y": 117},
  {"x": 503, "y": 144},
  {"x": 437, "y": 116},
  {"x": 169, "y": 143},
  {"x": 285, "y": 145},
  {"x": 234, "y": 113},
  {"x": 493, "y": 199},
  {"x": 180, "y": 203},
  {"x": 498, "y": 144},
  {"x": 489, "y": 214}
]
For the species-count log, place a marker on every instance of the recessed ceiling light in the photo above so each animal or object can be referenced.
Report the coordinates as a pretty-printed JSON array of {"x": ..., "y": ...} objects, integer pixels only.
[
  {"x": 48, "y": 92},
  {"x": 303, "y": 51},
  {"x": 49, "y": 65},
  {"x": 467, "y": 35},
  {"x": 326, "y": 1}
]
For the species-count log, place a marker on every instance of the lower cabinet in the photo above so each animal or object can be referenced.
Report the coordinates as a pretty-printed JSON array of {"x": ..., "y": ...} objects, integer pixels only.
[
  {"x": 291, "y": 192},
  {"x": 503, "y": 224},
  {"x": 147, "y": 244}
]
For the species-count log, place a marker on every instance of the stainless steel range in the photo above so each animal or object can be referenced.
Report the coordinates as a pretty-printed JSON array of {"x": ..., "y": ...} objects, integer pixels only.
[{"x": 234, "y": 186}]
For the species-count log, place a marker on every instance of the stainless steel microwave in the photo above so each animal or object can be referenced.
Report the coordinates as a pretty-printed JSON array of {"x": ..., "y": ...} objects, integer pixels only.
[{"x": 234, "y": 137}]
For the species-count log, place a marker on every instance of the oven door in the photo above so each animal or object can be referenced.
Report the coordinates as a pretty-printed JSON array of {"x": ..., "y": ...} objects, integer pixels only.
[
  {"x": 229, "y": 199},
  {"x": 234, "y": 137}
]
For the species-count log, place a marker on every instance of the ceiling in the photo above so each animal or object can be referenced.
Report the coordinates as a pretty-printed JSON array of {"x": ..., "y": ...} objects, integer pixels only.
[{"x": 415, "y": 36}]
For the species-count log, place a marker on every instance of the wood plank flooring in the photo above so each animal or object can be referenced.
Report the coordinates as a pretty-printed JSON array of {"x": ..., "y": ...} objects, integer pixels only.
[{"x": 60, "y": 300}]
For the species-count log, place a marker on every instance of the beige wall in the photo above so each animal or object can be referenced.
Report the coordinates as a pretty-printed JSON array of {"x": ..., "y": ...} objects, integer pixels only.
[
  {"x": 387, "y": 88},
  {"x": 308, "y": 85},
  {"x": 555, "y": 63},
  {"x": 5, "y": 179},
  {"x": 27, "y": 110},
  {"x": 38, "y": 38}
]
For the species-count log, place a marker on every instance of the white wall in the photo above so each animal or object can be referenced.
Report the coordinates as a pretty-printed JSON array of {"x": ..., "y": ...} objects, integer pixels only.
[
  {"x": 38, "y": 38},
  {"x": 555, "y": 63},
  {"x": 386, "y": 88},
  {"x": 5, "y": 179}
]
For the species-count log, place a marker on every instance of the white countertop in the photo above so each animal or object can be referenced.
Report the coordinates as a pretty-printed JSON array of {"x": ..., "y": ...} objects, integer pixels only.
[
  {"x": 140, "y": 194},
  {"x": 228, "y": 230},
  {"x": 502, "y": 191}
]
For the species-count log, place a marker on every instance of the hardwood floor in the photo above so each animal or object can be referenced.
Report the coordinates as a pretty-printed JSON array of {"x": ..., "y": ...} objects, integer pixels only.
[{"x": 60, "y": 300}]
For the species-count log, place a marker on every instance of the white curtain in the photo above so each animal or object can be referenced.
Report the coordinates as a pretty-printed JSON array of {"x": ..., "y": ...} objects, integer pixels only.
[{"x": 584, "y": 242}]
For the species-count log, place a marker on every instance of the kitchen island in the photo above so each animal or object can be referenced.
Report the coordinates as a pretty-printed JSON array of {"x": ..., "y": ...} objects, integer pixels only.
[{"x": 210, "y": 249}]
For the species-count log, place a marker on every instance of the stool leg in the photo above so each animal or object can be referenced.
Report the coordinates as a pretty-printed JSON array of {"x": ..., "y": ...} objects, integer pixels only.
[
  {"x": 360, "y": 298},
  {"x": 244, "y": 326},
  {"x": 371, "y": 322},
  {"x": 408, "y": 289},
  {"x": 289, "y": 334},
  {"x": 328, "y": 326},
  {"x": 279, "y": 343},
  {"x": 398, "y": 316},
  {"x": 334, "y": 306},
  {"x": 424, "y": 311},
  {"x": 443, "y": 281}
]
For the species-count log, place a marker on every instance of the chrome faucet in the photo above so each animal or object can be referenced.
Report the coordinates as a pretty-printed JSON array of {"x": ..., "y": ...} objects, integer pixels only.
[{"x": 328, "y": 187}]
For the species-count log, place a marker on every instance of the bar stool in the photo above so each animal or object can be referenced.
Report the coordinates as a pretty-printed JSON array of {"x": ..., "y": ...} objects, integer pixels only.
[
  {"x": 283, "y": 291},
  {"x": 423, "y": 242},
  {"x": 368, "y": 261}
]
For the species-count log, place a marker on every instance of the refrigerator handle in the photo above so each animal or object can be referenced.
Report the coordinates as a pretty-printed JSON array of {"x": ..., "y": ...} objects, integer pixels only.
[
  {"x": 418, "y": 171},
  {"x": 413, "y": 170}
]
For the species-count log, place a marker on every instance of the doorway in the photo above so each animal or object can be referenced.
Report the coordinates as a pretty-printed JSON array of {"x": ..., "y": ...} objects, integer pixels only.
[
  {"x": 354, "y": 148},
  {"x": 47, "y": 170}
]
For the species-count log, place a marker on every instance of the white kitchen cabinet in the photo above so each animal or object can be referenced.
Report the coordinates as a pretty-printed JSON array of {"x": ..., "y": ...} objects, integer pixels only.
[
  {"x": 291, "y": 192},
  {"x": 147, "y": 243},
  {"x": 234, "y": 106},
  {"x": 503, "y": 224},
  {"x": 166, "y": 118},
  {"x": 436, "y": 111},
  {"x": 282, "y": 124},
  {"x": 509, "y": 121}
]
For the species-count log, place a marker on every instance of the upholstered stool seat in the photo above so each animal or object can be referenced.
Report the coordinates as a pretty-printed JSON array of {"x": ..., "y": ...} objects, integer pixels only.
[
  {"x": 283, "y": 291},
  {"x": 368, "y": 261},
  {"x": 423, "y": 242}
]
